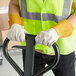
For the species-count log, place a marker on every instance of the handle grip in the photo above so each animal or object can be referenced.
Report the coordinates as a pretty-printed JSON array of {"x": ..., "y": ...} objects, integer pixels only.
[
  {"x": 17, "y": 68},
  {"x": 9, "y": 59},
  {"x": 52, "y": 65}
]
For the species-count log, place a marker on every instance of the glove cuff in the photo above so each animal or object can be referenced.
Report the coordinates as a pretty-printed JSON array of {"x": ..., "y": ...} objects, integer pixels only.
[
  {"x": 64, "y": 28},
  {"x": 15, "y": 19}
]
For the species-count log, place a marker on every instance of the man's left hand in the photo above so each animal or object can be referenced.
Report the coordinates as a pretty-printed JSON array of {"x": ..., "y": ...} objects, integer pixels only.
[{"x": 47, "y": 37}]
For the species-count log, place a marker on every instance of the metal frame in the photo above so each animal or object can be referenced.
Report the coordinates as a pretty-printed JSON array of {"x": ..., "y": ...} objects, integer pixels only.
[{"x": 29, "y": 57}]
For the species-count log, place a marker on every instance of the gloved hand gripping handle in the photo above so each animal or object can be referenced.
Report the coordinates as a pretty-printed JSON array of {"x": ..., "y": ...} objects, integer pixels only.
[{"x": 30, "y": 41}]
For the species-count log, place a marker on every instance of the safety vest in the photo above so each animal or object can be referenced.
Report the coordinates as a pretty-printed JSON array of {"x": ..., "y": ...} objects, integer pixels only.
[{"x": 40, "y": 16}]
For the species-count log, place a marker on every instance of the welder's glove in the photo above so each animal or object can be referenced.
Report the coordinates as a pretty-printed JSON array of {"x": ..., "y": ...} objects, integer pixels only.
[
  {"x": 16, "y": 25},
  {"x": 60, "y": 30},
  {"x": 17, "y": 33}
]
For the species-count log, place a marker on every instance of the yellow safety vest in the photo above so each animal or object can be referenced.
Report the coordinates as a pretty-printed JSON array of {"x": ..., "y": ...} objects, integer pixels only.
[{"x": 39, "y": 16}]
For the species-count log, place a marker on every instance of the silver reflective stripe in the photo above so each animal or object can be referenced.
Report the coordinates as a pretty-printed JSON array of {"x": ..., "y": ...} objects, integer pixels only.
[
  {"x": 45, "y": 16},
  {"x": 35, "y": 16},
  {"x": 23, "y": 8},
  {"x": 53, "y": 17},
  {"x": 27, "y": 15},
  {"x": 67, "y": 4},
  {"x": 66, "y": 11}
]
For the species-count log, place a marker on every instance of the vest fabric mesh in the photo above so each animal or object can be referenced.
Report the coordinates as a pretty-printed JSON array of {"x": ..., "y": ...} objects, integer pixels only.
[{"x": 39, "y": 16}]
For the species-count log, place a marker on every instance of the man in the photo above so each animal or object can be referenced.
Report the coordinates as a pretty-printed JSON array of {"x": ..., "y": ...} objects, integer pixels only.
[{"x": 52, "y": 21}]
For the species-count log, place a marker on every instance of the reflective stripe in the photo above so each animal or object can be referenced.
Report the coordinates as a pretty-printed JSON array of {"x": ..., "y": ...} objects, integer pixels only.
[
  {"x": 23, "y": 8},
  {"x": 67, "y": 4},
  {"x": 45, "y": 16},
  {"x": 35, "y": 16},
  {"x": 27, "y": 15},
  {"x": 55, "y": 18}
]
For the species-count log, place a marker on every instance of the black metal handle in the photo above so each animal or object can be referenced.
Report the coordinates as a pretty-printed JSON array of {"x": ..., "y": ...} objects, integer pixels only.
[
  {"x": 10, "y": 60},
  {"x": 52, "y": 65},
  {"x": 17, "y": 68}
]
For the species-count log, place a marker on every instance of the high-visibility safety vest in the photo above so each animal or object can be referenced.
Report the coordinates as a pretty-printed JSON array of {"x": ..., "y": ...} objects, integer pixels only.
[{"x": 39, "y": 16}]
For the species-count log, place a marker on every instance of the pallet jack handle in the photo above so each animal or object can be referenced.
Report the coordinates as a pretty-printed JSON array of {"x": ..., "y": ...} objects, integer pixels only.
[{"x": 30, "y": 42}]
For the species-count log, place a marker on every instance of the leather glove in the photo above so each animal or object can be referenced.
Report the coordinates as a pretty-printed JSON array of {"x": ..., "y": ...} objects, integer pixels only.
[
  {"x": 60, "y": 30},
  {"x": 17, "y": 33},
  {"x": 16, "y": 25}
]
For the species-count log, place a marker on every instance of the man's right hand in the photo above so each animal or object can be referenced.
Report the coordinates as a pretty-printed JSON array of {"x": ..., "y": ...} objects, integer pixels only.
[{"x": 17, "y": 33}]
